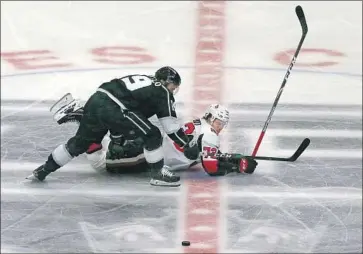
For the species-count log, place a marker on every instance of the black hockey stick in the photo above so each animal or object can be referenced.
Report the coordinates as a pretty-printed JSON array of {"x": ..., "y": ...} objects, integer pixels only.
[
  {"x": 301, "y": 16},
  {"x": 293, "y": 158}
]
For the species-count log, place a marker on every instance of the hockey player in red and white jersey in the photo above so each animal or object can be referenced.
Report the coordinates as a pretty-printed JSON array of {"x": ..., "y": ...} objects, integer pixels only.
[{"x": 204, "y": 132}]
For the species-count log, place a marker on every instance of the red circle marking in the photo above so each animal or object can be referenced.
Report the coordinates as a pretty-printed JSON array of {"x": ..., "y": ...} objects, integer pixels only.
[{"x": 284, "y": 57}]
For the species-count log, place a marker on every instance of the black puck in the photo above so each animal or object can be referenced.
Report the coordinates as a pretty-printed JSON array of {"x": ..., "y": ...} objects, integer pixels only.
[{"x": 185, "y": 243}]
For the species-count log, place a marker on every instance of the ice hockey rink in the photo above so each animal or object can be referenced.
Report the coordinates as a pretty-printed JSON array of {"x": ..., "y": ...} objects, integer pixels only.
[{"x": 234, "y": 53}]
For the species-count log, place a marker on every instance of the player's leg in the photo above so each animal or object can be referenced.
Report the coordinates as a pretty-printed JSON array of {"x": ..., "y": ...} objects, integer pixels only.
[
  {"x": 96, "y": 154},
  {"x": 153, "y": 151},
  {"x": 67, "y": 109},
  {"x": 90, "y": 131}
]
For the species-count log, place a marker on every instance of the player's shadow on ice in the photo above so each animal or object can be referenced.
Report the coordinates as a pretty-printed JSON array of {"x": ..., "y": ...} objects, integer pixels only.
[{"x": 135, "y": 173}]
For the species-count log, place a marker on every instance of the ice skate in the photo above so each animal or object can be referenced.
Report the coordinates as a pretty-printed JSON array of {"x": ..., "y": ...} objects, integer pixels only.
[
  {"x": 39, "y": 174},
  {"x": 165, "y": 177},
  {"x": 67, "y": 110}
]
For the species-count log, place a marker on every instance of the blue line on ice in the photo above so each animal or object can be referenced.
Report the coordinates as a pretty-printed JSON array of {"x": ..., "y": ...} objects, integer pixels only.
[{"x": 347, "y": 74}]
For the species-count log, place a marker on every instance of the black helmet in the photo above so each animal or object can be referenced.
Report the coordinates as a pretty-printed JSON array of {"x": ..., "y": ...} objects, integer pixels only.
[{"x": 168, "y": 75}]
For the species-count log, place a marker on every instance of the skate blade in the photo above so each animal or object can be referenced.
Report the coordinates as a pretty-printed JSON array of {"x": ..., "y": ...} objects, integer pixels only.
[
  {"x": 32, "y": 178},
  {"x": 164, "y": 184}
]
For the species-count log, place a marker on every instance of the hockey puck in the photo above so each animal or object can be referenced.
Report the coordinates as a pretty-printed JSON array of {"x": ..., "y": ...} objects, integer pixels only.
[{"x": 185, "y": 243}]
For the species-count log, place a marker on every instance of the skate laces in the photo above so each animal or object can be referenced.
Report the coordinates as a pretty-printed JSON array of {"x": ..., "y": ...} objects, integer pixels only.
[
  {"x": 165, "y": 171},
  {"x": 39, "y": 170}
]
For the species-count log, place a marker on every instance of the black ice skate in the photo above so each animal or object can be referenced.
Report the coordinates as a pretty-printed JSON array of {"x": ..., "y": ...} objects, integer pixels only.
[
  {"x": 67, "y": 110},
  {"x": 39, "y": 174},
  {"x": 164, "y": 177}
]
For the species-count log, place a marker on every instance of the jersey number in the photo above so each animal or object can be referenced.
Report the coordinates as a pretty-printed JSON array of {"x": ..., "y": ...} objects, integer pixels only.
[
  {"x": 136, "y": 81},
  {"x": 209, "y": 152}
]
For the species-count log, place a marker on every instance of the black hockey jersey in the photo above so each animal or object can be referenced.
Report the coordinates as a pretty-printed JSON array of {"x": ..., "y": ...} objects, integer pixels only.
[{"x": 143, "y": 94}]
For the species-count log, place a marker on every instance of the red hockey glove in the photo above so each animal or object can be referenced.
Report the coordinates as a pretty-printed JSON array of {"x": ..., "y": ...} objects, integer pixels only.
[
  {"x": 247, "y": 165},
  {"x": 238, "y": 162}
]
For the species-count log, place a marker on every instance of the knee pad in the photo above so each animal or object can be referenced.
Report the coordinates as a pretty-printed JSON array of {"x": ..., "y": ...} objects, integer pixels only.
[{"x": 76, "y": 146}]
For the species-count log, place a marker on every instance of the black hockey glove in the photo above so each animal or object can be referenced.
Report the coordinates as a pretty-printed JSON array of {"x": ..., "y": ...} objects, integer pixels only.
[
  {"x": 115, "y": 147},
  {"x": 191, "y": 151}
]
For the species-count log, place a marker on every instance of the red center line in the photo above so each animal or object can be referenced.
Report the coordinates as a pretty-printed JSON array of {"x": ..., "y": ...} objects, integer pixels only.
[{"x": 202, "y": 223}]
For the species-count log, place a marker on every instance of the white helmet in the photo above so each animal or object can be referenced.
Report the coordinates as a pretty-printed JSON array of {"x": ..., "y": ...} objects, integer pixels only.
[{"x": 217, "y": 111}]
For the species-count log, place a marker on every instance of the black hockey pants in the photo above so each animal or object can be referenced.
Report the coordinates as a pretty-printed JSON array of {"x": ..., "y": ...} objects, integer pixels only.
[{"x": 103, "y": 114}]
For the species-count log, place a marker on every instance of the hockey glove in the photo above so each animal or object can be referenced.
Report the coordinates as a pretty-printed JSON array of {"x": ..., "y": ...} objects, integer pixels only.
[
  {"x": 115, "y": 147},
  {"x": 191, "y": 151},
  {"x": 237, "y": 163},
  {"x": 247, "y": 165},
  {"x": 131, "y": 156}
]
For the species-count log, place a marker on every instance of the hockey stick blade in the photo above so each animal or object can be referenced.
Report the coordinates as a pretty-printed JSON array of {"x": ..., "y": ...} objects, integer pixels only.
[
  {"x": 293, "y": 158},
  {"x": 301, "y": 16},
  {"x": 300, "y": 150}
]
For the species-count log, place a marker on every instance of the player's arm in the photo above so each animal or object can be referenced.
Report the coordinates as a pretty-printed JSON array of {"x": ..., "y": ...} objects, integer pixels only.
[
  {"x": 169, "y": 120},
  {"x": 216, "y": 163},
  {"x": 225, "y": 163},
  {"x": 235, "y": 162}
]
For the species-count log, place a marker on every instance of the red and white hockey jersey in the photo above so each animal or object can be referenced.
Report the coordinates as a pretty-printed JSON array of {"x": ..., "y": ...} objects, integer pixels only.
[{"x": 209, "y": 141}]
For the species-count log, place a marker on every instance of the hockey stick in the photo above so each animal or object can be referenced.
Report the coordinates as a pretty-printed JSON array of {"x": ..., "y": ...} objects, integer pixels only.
[
  {"x": 293, "y": 158},
  {"x": 301, "y": 16}
]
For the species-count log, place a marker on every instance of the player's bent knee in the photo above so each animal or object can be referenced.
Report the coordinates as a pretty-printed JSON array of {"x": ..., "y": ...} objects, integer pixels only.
[
  {"x": 153, "y": 150},
  {"x": 153, "y": 139},
  {"x": 154, "y": 156}
]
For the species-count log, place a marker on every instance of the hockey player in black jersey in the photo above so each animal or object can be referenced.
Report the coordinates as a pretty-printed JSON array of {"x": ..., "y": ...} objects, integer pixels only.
[{"x": 122, "y": 107}]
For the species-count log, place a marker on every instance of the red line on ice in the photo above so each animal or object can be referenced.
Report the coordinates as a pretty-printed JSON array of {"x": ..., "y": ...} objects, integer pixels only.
[{"x": 202, "y": 221}]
